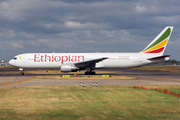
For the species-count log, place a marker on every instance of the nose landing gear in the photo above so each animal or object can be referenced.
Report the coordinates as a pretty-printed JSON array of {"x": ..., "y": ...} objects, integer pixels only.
[{"x": 21, "y": 71}]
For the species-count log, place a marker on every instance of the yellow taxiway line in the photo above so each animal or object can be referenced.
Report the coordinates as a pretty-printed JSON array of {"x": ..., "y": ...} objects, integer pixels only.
[{"x": 17, "y": 82}]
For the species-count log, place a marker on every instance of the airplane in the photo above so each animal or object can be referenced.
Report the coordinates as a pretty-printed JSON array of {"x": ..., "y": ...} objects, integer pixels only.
[
  {"x": 2, "y": 63},
  {"x": 73, "y": 62}
]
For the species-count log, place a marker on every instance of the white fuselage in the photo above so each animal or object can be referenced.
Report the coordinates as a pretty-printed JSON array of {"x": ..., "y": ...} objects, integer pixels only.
[{"x": 56, "y": 60}]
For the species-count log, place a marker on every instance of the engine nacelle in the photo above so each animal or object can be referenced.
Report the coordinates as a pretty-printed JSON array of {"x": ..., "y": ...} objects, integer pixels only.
[
  {"x": 68, "y": 68},
  {"x": 167, "y": 58}
]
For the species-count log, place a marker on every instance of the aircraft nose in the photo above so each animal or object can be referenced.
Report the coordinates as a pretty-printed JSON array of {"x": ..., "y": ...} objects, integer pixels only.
[{"x": 12, "y": 62}]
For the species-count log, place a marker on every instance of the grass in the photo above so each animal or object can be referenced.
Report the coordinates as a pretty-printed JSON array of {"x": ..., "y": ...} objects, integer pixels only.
[
  {"x": 175, "y": 69},
  {"x": 104, "y": 102},
  {"x": 57, "y": 71},
  {"x": 8, "y": 67},
  {"x": 174, "y": 89},
  {"x": 98, "y": 77}
]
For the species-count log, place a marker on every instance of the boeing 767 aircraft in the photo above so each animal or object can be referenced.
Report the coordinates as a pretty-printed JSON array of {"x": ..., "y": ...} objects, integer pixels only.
[{"x": 72, "y": 62}]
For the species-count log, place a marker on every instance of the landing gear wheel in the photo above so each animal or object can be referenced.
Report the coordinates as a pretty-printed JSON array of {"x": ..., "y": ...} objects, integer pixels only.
[
  {"x": 93, "y": 73},
  {"x": 21, "y": 70},
  {"x": 90, "y": 73}
]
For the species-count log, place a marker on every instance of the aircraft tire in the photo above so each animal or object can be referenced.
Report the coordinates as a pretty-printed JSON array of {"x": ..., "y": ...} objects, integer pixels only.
[{"x": 89, "y": 73}]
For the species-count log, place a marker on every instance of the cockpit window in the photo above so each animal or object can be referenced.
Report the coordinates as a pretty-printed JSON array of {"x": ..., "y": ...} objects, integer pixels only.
[{"x": 15, "y": 58}]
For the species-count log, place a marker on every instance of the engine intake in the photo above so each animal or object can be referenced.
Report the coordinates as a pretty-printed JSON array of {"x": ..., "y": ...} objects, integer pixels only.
[{"x": 68, "y": 68}]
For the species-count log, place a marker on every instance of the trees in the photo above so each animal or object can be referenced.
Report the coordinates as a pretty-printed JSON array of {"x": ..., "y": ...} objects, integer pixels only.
[{"x": 170, "y": 62}]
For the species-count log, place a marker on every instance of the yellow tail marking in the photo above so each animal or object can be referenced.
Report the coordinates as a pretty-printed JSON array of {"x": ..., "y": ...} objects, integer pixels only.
[{"x": 158, "y": 46}]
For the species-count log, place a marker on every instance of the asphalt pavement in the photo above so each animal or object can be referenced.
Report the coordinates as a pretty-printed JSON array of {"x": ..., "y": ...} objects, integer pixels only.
[{"x": 144, "y": 78}]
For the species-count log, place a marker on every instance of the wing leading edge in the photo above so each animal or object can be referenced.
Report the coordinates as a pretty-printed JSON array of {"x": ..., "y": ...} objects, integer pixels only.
[{"x": 89, "y": 63}]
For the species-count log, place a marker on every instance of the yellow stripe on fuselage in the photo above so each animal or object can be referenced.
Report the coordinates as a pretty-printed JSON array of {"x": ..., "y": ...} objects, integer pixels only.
[{"x": 158, "y": 46}]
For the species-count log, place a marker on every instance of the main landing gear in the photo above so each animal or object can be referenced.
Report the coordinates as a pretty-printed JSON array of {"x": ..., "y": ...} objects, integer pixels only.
[
  {"x": 90, "y": 73},
  {"x": 21, "y": 71},
  {"x": 90, "y": 70}
]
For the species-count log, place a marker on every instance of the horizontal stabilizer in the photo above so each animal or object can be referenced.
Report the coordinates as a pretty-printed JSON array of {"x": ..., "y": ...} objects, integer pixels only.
[{"x": 160, "y": 57}]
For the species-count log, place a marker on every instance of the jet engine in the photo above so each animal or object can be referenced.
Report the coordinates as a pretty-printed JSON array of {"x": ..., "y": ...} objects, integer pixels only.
[
  {"x": 167, "y": 58},
  {"x": 68, "y": 68}
]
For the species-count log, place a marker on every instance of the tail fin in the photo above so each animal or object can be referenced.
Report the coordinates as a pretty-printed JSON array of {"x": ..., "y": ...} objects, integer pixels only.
[{"x": 158, "y": 45}]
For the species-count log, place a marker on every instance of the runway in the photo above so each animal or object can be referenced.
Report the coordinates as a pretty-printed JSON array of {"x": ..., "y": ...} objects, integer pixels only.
[{"x": 144, "y": 78}]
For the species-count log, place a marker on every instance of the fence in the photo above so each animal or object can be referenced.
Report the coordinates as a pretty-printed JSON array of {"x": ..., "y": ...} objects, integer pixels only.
[{"x": 159, "y": 89}]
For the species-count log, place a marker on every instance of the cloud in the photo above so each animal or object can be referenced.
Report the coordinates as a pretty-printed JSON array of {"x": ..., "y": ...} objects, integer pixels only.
[
  {"x": 85, "y": 25},
  {"x": 7, "y": 33},
  {"x": 77, "y": 25},
  {"x": 16, "y": 45}
]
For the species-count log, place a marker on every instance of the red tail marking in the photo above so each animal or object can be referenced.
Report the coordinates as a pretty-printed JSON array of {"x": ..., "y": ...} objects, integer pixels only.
[{"x": 156, "y": 51}]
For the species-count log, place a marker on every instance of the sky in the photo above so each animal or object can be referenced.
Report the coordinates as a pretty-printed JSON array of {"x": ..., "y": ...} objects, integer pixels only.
[{"x": 69, "y": 26}]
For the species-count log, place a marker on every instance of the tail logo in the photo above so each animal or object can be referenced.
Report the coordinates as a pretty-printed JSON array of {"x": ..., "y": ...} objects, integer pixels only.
[{"x": 159, "y": 45}]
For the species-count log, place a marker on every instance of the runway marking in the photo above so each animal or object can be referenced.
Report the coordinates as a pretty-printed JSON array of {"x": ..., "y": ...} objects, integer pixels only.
[
  {"x": 17, "y": 82},
  {"x": 162, "y": 78}
]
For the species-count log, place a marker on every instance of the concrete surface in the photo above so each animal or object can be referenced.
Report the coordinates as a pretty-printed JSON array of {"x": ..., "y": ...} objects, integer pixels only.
[{"x": 145, "y": 78}]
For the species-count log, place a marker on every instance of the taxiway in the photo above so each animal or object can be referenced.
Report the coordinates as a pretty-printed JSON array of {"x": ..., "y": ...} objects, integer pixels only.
[{"x": 144, "y": 78}]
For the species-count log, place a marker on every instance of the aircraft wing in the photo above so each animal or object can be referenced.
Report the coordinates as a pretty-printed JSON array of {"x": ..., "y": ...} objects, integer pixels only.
[
  {"x": 159, "y": 57},
  {"x": 90, "y": 63}
]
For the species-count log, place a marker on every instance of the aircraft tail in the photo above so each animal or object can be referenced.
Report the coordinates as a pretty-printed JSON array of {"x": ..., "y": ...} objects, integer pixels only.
[{"x": 158, "y": 45}]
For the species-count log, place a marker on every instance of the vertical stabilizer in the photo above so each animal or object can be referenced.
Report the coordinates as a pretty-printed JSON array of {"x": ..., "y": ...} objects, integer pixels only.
[{"x": 158, "y": 45}]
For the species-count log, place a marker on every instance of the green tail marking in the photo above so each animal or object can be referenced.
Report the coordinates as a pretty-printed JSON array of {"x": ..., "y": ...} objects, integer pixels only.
[{"x": 164, "y": 36}]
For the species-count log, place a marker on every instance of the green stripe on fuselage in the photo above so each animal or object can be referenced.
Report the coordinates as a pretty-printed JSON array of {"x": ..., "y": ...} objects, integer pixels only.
[{"x": 164, "y": 36}]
